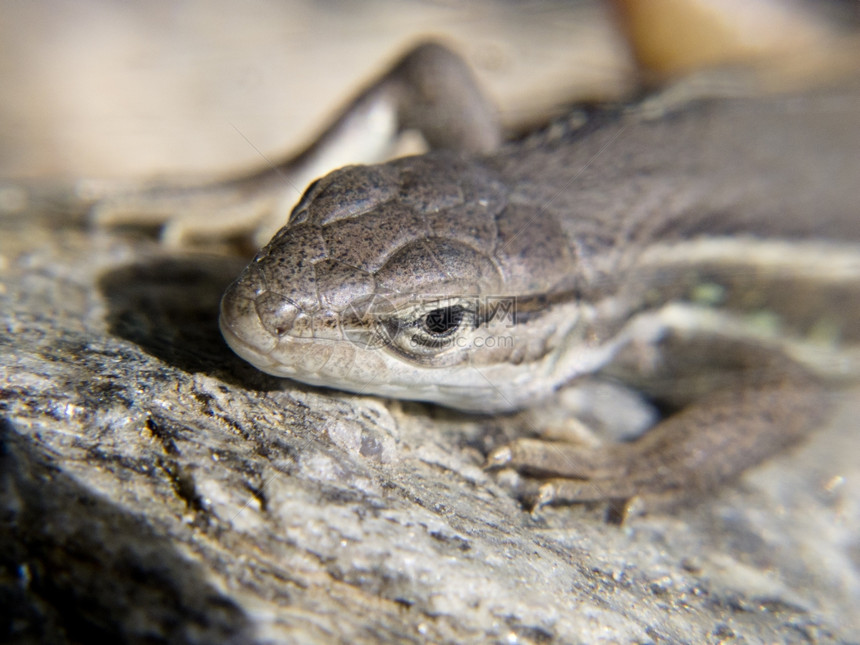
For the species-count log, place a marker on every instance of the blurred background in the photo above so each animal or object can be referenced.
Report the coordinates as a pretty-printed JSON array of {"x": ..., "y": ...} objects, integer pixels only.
[
  {"x": 147, "y": 88},
  {"x": 117, "y": 89}
]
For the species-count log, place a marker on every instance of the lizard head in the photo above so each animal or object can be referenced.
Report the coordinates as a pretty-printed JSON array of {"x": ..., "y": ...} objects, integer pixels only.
[{"x": 387, "y": 280}]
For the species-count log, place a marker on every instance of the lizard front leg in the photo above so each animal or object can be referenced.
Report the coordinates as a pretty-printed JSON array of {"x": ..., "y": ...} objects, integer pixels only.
[{"x": 690, "y": 452}]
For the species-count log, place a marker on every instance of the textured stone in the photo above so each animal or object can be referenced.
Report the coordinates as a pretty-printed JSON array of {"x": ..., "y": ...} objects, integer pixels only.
[{"x": 156, "y": 488}]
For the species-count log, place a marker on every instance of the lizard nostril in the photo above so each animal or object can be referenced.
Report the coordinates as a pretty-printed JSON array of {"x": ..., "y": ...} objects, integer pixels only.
[{"x": 277, "y": 313}]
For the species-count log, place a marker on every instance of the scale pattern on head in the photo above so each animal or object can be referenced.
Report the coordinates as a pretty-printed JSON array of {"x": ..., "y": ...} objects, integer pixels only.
[
  {"x": 417, "y": 264},
  {"x": 435, "y": 225}
]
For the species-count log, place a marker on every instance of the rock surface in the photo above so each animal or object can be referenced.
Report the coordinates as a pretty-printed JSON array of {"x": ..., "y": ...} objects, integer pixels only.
[{"x": 157, "y": 489}]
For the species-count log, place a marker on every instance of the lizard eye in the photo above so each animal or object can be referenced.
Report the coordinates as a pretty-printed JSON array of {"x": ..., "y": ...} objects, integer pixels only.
[
  {"x": 432, "y": 333},
  {"x": 443, "y": 321}
]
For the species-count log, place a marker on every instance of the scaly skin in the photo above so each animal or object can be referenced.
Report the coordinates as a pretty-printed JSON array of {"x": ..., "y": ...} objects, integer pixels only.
[{"x": 707, "y": 253}]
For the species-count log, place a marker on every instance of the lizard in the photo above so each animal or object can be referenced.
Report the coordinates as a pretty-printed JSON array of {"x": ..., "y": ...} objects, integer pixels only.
[{"x": 705, "y": 252}]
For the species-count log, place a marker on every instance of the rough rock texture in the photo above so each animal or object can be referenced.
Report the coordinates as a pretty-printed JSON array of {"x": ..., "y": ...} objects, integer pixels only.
[{"x": 157, "y": 489}]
